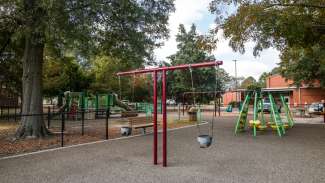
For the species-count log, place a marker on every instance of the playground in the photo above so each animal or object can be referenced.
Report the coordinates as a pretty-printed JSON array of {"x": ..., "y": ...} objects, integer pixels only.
[
  {"x": 298, "y": 157},
  {"x": 162, "y": 91}
]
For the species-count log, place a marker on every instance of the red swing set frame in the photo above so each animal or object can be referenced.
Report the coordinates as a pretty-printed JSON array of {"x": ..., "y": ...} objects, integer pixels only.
[{"x": 164, "y": 70}]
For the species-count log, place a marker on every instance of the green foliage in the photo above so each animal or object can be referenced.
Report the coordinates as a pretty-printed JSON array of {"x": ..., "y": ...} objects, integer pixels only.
[
  {"x": 262, "y": 79},
  {"x": 297, "y": 64},
  {"x": 104, "y": 69},
  {"x": 254, "y": 86},
  {"x": 194, "y": 48},
  {"x": 128, "y": 30},
  {"x": 11, "y": 73},
  {"x": 251, "y": 84},
  {"x": 295, "y": 28},
  {"x": 275, "y": 70},
  {"x": 64, "y": 74},
  {"x": 247, "y": 82}
]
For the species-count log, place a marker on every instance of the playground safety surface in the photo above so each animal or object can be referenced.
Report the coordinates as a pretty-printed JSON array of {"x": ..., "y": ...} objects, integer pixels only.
[{"x": 297, "y": 157}]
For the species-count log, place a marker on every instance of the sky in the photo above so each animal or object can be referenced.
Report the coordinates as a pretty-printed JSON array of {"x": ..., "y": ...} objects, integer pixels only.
[{"x": 197, "y": 12}]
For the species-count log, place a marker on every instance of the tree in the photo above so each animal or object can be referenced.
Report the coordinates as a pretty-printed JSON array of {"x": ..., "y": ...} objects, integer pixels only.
[
  {"x": 262, "y": 79},
  {"x": 11, "y": 72},
  {"x": 275, "y": 70},
  {"x": 248, "y": 82},
  {"x": 233, "y": 82},
  {"x": 64, "y": 74},
  {"x": 104, "y": 69},
  {"x": 126, "y": 29},
  {"x": 295, "y": 28},
  {"x": 304, "y": 64},
  {"x": 194, "y": 48}
]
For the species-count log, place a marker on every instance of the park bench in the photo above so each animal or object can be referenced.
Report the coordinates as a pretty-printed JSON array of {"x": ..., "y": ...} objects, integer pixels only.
[
  {"x": 140, "y": 123},
  {"x": 129, "y": 114}
]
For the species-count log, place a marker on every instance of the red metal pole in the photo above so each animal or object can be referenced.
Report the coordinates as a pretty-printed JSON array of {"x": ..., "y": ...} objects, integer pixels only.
[
  {"x": 155, "y": 128},
  {"x": 164, "y": 118}
]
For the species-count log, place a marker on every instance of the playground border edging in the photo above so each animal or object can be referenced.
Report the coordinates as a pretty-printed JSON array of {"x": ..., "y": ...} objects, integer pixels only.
[{"x": 90, "y": 143}]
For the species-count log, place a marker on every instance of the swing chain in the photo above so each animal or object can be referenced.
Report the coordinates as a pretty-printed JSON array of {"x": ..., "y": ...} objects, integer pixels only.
[
  {"x": 194, "y": 100},
  {"x": 216, "y": 68}
]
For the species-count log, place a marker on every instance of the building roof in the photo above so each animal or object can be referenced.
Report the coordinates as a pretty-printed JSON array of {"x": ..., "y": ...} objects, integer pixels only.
[{"x": 279, "y": 89}]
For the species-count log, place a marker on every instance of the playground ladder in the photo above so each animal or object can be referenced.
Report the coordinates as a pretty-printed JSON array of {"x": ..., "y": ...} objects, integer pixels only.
[
  {"x": 276, "y": 117},
  {"x": 258, "y": 111},
  {"x": 287, "y": 111},
  {"x": 242, "y": 119},
  {"x": 261, "y": 108}
]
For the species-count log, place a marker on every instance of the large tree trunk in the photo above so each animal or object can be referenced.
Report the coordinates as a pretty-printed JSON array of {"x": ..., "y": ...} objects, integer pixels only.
[{"x": 33, "y": 126}]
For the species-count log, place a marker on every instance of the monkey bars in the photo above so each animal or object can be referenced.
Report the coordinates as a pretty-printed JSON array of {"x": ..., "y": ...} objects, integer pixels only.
[{"x": 208, "y": 63}]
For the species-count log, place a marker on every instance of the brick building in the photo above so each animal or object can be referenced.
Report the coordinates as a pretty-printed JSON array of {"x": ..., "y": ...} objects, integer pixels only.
[
  {"x": 302, "y": 95},
  {"x": 229, "y": 96},
  {"x": 295, "y": 96}
]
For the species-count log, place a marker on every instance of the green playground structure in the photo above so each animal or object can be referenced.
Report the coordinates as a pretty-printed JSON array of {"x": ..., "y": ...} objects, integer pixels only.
[
  {"x": 72, "y": 102},
  {"x": 145, "y": 107},
  {"x": 258, "y": 123},
  {"x": 85, "y": 101}
]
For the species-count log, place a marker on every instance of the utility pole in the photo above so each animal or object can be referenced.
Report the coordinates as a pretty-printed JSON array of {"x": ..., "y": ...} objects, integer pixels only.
[{"x": 236, "y": 85}]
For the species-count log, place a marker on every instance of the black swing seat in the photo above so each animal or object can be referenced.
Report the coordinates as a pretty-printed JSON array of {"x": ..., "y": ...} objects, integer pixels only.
[{"x": 204, "y": 140}]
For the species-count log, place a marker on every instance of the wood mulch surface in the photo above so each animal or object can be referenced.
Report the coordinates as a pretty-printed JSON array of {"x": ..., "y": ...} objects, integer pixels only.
[{"x": 93, "y": 132}]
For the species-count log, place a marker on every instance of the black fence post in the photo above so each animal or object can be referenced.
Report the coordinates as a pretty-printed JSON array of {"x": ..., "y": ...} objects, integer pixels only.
[
  {"x": 82, "y": 121},
  {"x": 48, "y": 117},
  {"x": 106, "y": 123},
  {"x": 324, "y": 111},
  {"x": 183, "y": 109},
  {"x": 8, "y": 116},
  {"x": 15, "y": 114},
  {"x": 62, "y": 128},
  {"x": 215, "y": 108},
  {"x": 219, "y": 108}
]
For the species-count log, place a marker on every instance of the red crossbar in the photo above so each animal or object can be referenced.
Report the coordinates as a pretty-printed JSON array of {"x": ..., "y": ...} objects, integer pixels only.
[{"x": 185, "y": 66}]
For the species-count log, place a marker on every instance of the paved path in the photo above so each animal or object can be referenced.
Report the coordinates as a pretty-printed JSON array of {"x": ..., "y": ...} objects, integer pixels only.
[{"x": 298, "y": 157}]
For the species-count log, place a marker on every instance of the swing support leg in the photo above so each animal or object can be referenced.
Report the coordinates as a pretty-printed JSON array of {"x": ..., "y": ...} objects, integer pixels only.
[
  {"x": 155, "y": 128},
  {"x": 164, "y": 118}
]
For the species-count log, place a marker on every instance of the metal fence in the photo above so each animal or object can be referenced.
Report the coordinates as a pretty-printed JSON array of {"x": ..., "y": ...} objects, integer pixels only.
[{"x": 57, "y": 120}]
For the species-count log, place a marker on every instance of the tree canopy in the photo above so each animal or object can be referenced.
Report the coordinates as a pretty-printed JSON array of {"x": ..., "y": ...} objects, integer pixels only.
[
  {"x": 262, "y": 79},
  {"x": 64, "y": 74},
  {"x": 31, "y": 30},
  {"x": 295, "y": 28},
  {"x": 247, "y": 82},
  {"x": 194, "y": 48}
]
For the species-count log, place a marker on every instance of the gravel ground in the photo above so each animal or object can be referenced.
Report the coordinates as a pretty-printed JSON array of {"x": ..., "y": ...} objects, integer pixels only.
[{"x": 297, "y": 157}]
